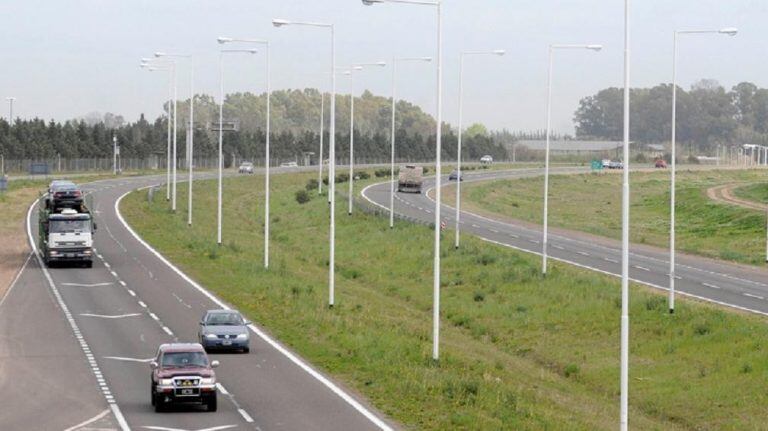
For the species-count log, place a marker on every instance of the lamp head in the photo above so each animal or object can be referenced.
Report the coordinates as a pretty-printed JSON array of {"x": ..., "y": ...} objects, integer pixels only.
[
  {"x": 499, "y": 52},
  {"x": 730, "y": 31},
  {"x": 277, "y": 22},
  {"x": 371, "y": 2},
  {"x": 381, "y": 63},
  {"x": 223, "y": 40},
  {"x": 159, "y": 54},
  {"x": 355, "y": 68},
  {"x": 595, "y": 47}
]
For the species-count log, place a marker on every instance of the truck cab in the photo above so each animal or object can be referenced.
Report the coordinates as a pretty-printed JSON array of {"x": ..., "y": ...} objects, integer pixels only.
[
  {"x": 67, "y": 235},
  {"x": 410, "y": 179}
]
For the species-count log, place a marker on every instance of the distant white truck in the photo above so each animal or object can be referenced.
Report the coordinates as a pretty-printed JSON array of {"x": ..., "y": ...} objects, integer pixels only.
[
  {"x": 486, "y": 160},
  {"x": 410, "y": 179}
]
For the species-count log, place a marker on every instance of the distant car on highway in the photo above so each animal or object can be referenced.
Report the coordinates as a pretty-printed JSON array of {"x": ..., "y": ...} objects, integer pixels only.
[
  {"x": 486, "y": 160},
  {"x": 245, "y": 168},
  {"x": 660, "y": 163},
  {"x": 455, "y": 176},
  {"x": 606, "y": 163},
  {"x": 224, "y": 329},
  {"x": 289, "y": 165},
  {"x": 182, "y": 374},
  {"x": 616, "y": 164}
]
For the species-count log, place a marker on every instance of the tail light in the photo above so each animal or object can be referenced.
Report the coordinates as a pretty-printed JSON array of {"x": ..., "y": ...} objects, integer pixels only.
[{"x": 77, "y": 193}]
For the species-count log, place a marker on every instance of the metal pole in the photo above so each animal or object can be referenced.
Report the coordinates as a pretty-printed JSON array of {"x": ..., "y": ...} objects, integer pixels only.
[
  {"x": 175, "y": 132},
  {"x": 351, "y": 138},
  {"x": 392, "y": 150},
  {"x": 191, "y": 140},
  {"x": 322, "y": 132},
  {"x": 546, "y": 167},
  {"x": 624, "y": 374},
  {"x": 114, "y": 155},
  {"x": 266, "y": 177},
  {"x": 458, "y": 149},
  {"x": 221, "y": 145},
  {"x": 438, "y": 173},
  {"x": 673, "y": 180},
  {"x": 168, "y": 143},
  {"x": 332, "y": 174}
]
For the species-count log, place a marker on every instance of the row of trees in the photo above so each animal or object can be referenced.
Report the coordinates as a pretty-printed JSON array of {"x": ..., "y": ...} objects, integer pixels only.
[
  {"x": 295, "y": 130},
  {"x": 707, "y": 115}
]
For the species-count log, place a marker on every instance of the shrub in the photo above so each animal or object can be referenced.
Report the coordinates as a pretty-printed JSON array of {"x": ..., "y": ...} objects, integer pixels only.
[
  {"x": 362, "y": 175},
  {"x": 426, "y": 170},
  {"x": 342, "y": 178},
  {"x": 571, "y": 370},
  {"x": 312, "y": 184},
  {"x": 302, "y": 197},
  {"x": 479, "y": 297}
]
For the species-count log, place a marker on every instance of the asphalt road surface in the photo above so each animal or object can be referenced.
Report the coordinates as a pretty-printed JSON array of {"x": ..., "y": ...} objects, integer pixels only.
[
  {"x": 732, "y": 285},
  {"x": 75, "y": 345}
]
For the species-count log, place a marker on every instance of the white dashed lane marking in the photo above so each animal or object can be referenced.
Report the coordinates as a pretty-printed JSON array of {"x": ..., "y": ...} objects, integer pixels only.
[
  {"x": 712, "y": 286},
  {"x": 642, "y": 268},
  {"x": 754, "y": 296}
]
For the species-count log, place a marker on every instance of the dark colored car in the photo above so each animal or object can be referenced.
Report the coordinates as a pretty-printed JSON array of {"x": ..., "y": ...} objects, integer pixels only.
[
  {"x": 182, "y": 374},
  {"x": 225, "y": 330},
  {"x": 455, "y": 176},
  {"x": 660, "y": 164},
  {"x": 64, "y": 195}
]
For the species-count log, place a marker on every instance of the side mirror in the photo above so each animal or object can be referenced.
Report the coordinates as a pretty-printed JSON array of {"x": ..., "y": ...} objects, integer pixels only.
[
  {"x": 247, "y": 322},
  {"x": 214, "y": 364},
  {"x": 95, "y": 226},
  {"x": 202, "y": 323},
  {"x": 153, "y": 365}
]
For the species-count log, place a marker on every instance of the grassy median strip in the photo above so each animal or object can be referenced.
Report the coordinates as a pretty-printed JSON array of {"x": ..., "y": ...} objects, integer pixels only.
[
  {"x": 592, "y": 203},
  {"x": 519, "y": 351}
]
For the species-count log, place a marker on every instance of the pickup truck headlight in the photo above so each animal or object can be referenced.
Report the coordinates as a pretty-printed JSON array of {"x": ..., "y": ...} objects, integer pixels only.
[
  {"x": 243, "y": 336},
  {"x": 166, "y": 382},
  {"x": 208, "y": 381},
  {"x": 211, "y": 336}
]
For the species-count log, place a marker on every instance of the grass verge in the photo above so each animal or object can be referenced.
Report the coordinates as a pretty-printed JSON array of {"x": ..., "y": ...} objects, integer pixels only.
[
  {"x": 592, "y": 203},
  {"x": 519, "y": 351}
]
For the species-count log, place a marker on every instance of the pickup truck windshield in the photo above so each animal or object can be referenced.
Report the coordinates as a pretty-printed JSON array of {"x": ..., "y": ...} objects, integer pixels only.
[
  {"x": 69, "y": 226},
  {"x": 184, "y": 359}
]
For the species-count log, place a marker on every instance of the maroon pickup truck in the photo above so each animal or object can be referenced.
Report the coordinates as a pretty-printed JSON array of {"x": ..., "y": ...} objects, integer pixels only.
[{"x": 182, "y": 373}]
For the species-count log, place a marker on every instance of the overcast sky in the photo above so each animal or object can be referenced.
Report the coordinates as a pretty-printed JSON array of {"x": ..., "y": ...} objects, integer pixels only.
[{"x": 66, "y": 58}]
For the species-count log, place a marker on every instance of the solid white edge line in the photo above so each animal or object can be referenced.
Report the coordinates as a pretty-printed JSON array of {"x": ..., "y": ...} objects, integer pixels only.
[
  {"x": 634, "y": 280},
  {"x": 73, "y": 325},
  {"x": 15, "y": 279},
  {"x": 277, "y": 346}
]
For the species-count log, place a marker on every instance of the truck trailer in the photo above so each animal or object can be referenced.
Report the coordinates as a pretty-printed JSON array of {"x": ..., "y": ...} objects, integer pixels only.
[{"x": 410, "y": 179}]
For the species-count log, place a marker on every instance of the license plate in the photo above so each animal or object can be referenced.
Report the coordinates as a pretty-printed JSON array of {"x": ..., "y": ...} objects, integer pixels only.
[
  {"x": 187, "y": 392},
  {"x": 226, "y": 343},
  {"x": 70, "y": 254}
]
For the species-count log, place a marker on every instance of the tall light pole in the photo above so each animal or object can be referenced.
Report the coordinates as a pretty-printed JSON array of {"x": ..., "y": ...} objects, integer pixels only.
[
  {"x": 545, "y": 234},
  {"x": 265, "y": 44},
  {"x": 114, "y": 155},
  {"x": 222, "y": 53},
  {"x": 437, "y": 4},
  {"x": 190, "y": 132},
  {"x": 322, "y": 132},
  {"x": 673, "y": 172},
  {"x": 463, "y": 54},
  {"x": 10, "y": 110},
  {"x": 392, "y": 134},
  {"x": 355, "y": 68},
  {"x": 154, "y": 65},
  {"x": 331, "y": 151},
  {"x": 624, "y": 355}
]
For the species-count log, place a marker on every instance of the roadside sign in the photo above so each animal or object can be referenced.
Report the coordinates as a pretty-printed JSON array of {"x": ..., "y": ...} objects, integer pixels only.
[
  {"x": 597, "y": 165},
  {"x": 3, "y": 183}
]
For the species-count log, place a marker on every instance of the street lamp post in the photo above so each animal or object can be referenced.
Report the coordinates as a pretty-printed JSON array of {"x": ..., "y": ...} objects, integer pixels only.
[
  {"x": 322, "y": 132},
  {"x": 463, "y": 54},
  {"x": 673, "y": 172},
  {"x": 392, "y": 135},
  {"x": 167, "y": 66},
  {"x": 190, "y": 132},
  {"x": 437, "y": 4},
  {"x": 331, "y": 152},
  {"x": 221, "y": 134},
  {"x": 545, "y": 235},
  {"x": 10, "y": 110},
  {"x": 624, "y": 342},
  {"x": 353, "y": 69}
]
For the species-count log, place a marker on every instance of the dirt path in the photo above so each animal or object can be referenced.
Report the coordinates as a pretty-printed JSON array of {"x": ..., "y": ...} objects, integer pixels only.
[{"x": 724, "y": 194}]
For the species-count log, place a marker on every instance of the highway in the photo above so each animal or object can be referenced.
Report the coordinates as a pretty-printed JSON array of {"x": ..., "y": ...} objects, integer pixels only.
[
  {"x": 732, "y": 285},
  {"x": 75, "y": 346}
]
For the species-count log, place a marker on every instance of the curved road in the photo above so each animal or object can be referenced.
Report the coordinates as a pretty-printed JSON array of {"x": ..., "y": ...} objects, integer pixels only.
[
  {"x": 75, "y": 346},
  {"x": 732, "y": 285}
]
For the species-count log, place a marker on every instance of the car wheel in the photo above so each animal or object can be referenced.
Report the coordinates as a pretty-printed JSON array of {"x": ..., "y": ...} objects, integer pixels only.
[
  {"x": 246, "y": 349},
  {"x": 159, "y": 404},
  {"x": 211, "y": 403}
]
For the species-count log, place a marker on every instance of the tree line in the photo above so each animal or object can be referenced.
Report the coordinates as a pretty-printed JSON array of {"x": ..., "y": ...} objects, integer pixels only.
[
  {"x": 295, "y": 130},
  {"x": 708, "y": 115}
]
